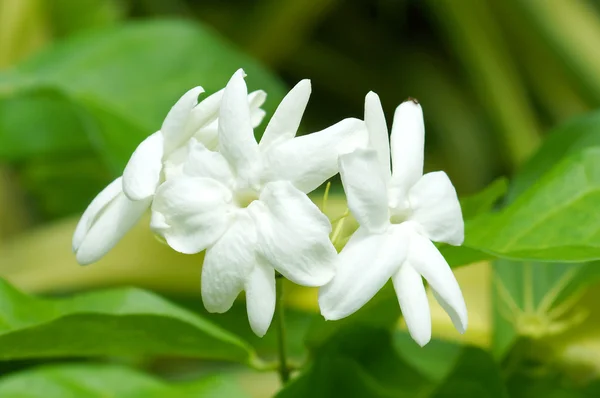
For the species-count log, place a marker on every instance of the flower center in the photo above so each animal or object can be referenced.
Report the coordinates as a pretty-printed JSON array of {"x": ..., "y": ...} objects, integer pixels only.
[
  {"x": 400, "y": 211},
  {"x": 398, "y": 216},
  {"x": 243, "y": 198}
]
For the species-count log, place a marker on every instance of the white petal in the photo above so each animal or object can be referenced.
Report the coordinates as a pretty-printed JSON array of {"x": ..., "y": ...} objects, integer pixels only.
[
  {"x": 286, "y": 119},
  {"x": 459, "y": 320},
  {"x": 236, "y": 136},
  {"x": 378, "y": 132},
  {"x": 95, "y": 208},
  {"x": 310, "y": 160},
  {"x": 209, "y": 135},
  {"x": 256, "y": 99},
  {"x": 204, "y": 163},
  {"x": 207, "y": 128},
  {"x": 174, "y": 128},
  {"x": 203, "y": 119},
  {"x": 413, "y": 303},
  {"x": 142, "y": 173},
  {"x": 257, "y": 116},
  {"x": 173, "y": 164},
  {"x": 365, "y": 189},
  {"x": 260, "y": 298},
  {"x": 293, "y": 234},
  {"x": 408, "y": 144},
  {"x": 363, "y": 267},
  {"x": 428, "y": 261},
  {"x": 436, "y": 208},
  {"x": 228, "y": 264},
  {"x": 112, "y": 223},
  {"x": 191, "y": 213}
]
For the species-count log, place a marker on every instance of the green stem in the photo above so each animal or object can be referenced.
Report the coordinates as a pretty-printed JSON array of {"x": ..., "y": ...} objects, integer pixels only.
[{"x": 284, "y": 370}]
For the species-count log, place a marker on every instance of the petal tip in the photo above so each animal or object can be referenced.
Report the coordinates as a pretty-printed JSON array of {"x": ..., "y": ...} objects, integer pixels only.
[
  {"x": 372, "y": 96},
  {"x": 78, "y": 238},
  {"x": 410, "y": 107},
  {"x": 305, "y": 84},
  {"x": 422, "y": 339},
  {"x": 328, "y": 308},
  {"x": 259, "y": 332},
  {"x": 174, "y": 243},
  {"x": 318, "y": 280},
  {"x": 240, "y": 73},
  {"x": 196, "y": 91},
  {"x": 463, "y": 324},
  {"x": 86, "y": 258},
  {"x": 330, "y": 315},
  {"x": 213, "y": 308},
  {"x": 258, "y": 97}
]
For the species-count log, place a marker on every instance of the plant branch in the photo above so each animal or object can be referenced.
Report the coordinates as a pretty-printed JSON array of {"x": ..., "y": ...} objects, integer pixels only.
[{"x": 284, "y": 370}]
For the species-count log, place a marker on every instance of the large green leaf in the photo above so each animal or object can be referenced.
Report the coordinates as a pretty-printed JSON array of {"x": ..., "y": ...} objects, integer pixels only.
[
  {"x": 555, "y": 190},
  {"x": 455, "y": 370},
  {"x": 484, "y": 201},
  {"x": 364, "y": 361},
  {"x": 297, "y": 323},
  {"x": 93, "y": 381},
  {"x": 475, "y": 375},
  {"x": 435, "y": 361},
  {"x": 556, "y": 219},
  {"x": 67, "y": 16},
  {"x": 122, "y": 81},
  {"x": 357, "y": 362},
  {"x": 381, "y": 311},
  {"x": 103, "y": 92},
  {"x": 122, "y": 322},
  {"x": 569, "y": 138},
  {"x": 550, "y": 214},
  {"x": 44, "y": 114},
  {"x": 536, "y": 300}
]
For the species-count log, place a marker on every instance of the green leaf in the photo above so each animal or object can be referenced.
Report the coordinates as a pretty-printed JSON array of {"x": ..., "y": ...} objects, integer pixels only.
[
  {"x": 456, "y": 370},
  {"x": 484, "y": 201},
  {"x": 556, "y": 219},
  {"x": 69, "y": 16},
  {"x": 436, "y": 360},
  {"x": 536, "y": 300},
  {"x": 357, "y": 362},
  {"x": 39, "y": 122},
  {"x": 124, "y": 80},
  {"x": 458, "y": 256},
  {"x": 122, "y": 322},
  {"x": 475, "y": 375},
  {"x": 86, "y": 380},
  {"x": 382, "y": 311},
  {"x": 565, "y": 140},
  {"x": 62, "y": 185},
  {"x": 554, "y": 191},
  {"x": 550, "y": 216},
  {"x": 554, "y": 383},
  {"x": 297, "y": 323},
  {"x": 44, "y": 134},
  {"x": 363, "y": 361}
]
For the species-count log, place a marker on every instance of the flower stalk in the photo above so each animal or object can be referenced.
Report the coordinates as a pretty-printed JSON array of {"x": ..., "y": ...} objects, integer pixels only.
[{"x": 284, "y": 370}]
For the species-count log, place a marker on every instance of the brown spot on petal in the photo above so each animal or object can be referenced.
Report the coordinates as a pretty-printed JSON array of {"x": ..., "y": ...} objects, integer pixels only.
[{"x": 414, "y": 100}]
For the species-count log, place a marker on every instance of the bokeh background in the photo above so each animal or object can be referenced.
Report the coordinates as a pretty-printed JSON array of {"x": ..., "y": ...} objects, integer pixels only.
[{"x": 493, "y": 77}]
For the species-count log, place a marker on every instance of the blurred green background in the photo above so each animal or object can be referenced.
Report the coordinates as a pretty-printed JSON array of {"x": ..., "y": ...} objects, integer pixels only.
[{"x": 82, "y": 82}]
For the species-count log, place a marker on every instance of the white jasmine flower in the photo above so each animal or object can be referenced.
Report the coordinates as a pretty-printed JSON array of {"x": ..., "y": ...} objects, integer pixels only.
[
  {"x": 247, "y": 205},
  {"x": 399, "y": 213},
  {"x": 123, "y": 202}
]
